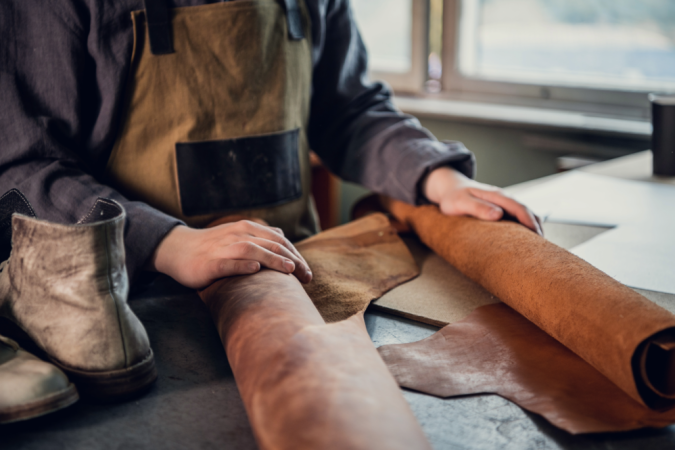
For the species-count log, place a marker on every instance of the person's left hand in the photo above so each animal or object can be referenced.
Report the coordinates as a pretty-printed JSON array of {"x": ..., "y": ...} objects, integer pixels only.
[{"x": 455, "y": 194}]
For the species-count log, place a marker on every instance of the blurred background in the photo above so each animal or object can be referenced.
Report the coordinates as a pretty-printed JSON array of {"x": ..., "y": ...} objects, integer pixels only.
[
  {"x": 532, "y": 87},
  {"x": 621, "y": 44}
]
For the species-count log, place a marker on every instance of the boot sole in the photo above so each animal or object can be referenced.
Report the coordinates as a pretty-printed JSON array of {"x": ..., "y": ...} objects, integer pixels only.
[
  {"x": 37, "y": 408},
  {"x": 114, "y": 385}
]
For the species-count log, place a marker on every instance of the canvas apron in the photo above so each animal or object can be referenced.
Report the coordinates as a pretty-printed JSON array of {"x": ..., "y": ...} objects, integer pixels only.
[{"x": 217, "y": 113}]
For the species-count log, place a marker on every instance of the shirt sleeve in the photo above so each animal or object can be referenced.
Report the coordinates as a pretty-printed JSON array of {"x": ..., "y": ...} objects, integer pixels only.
[
  {"x": 48, "y": 107},
  {"x": 354, "y": 127}
]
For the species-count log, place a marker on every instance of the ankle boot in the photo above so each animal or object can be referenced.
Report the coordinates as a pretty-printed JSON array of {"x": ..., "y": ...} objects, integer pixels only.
[
  {"x": 30, "y": 387},
  {"x": 66, "y": 286}
]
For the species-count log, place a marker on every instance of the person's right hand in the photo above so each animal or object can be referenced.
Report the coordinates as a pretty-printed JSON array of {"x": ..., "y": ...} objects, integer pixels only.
[{"x": 197, "y": 257}]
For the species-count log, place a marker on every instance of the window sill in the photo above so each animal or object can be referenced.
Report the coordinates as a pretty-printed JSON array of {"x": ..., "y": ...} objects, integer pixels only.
[{"x": 521, "y": 116}]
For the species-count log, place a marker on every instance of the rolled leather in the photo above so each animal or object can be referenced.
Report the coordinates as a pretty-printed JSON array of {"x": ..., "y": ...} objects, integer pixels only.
[
  {"x": 306, "y": 384},
  {"x": 623, "y": 335}
]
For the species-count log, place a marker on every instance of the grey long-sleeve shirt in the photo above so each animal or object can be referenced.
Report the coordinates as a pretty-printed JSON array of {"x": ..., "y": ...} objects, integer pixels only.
[{"x": 63, "y": 70}]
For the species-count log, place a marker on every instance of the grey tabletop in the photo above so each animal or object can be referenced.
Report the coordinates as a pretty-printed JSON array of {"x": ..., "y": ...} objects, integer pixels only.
[{"x": 195, "y": 403}]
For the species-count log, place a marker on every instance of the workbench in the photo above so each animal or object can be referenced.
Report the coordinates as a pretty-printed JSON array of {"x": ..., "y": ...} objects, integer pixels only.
[{"x": 195, "y": 403}]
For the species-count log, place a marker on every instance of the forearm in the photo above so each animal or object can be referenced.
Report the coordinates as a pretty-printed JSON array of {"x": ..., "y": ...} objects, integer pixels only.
[
  {"x": 396, "y": 161},
  {"x": 355, "y": 128},
  {"x": 61, "y": 192}
]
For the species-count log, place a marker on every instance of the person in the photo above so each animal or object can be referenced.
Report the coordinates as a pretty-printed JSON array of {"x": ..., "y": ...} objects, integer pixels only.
[{"x": 184, "y": 111}]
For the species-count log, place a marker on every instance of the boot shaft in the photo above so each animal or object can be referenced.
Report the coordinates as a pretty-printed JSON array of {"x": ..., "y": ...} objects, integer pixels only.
[{"x": 77, "y": 263}]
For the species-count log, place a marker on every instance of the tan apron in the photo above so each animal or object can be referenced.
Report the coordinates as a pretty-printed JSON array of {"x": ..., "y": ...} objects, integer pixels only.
[{"x": 217, "y": 125}]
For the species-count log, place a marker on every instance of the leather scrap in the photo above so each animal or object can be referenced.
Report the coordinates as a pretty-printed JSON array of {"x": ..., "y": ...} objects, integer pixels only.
[
  {"x": 306, "y": 384},
  {"x": 623, "y": 335},
  {"x": 496, "y": 350},
  {"x": 354, "y": 264}
]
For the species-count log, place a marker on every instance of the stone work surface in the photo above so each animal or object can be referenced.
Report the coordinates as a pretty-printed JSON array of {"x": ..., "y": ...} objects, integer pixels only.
[{"x": 195, "y": 403}]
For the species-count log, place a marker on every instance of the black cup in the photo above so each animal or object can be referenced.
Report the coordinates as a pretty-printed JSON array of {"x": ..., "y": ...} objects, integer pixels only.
[{"x": 663, "y": 134}]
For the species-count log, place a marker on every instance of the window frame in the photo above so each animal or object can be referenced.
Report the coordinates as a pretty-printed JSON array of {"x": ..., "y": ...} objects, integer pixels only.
[{"x": 411, "y": 82}]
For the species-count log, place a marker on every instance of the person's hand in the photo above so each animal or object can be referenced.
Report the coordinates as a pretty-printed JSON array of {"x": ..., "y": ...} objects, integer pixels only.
[
  {"x": 455, "y": 194},
  {"x": 197, "y": 257}
]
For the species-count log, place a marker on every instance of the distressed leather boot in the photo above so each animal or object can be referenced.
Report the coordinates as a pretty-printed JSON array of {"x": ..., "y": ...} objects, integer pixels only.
[
  {"x": 66, "y": 286},
  {"x": 30, "y": 387}
]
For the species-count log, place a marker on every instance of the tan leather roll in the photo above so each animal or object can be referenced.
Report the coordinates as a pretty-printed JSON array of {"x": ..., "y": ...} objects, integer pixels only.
[
  {"x": 620, "y": 333},
  {"x": 305, "y": 384}
]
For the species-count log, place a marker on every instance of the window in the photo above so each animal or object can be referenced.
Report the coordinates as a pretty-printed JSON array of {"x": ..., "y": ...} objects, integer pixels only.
[
  {"x": 608, "y": 44},
  {"x": 594, "y": 56},
  {"x": 386, "y": 26}
]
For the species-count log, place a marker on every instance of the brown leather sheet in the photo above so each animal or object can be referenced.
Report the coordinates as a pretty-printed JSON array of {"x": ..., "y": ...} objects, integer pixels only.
[
  {"x": 307, "y": 384},
  {"x": 623, "y": 335},
  {"x": 354, "y": 264},
  {"x": 439, "y": 295},
  {"x": 496, "y": 350}
]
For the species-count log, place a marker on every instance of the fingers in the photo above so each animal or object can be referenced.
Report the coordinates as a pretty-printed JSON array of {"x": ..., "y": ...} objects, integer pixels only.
[
  {"x": 275, "y": 235},
  {"x": 229, "y": 267},
  {"x": 302, "y": 270},
  {"x": 475, "y": 207},
  {"x": 248, "y": 250},
  {"x": 513, "y": 207}
]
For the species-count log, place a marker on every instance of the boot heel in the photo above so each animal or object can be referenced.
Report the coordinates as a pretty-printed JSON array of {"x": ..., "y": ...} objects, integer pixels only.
[{"x": 114, "y": 385}]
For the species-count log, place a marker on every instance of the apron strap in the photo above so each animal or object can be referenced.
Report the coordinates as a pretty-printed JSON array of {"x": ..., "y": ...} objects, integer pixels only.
[
  {"x": 158, "y": 20},
  {"x": 294, "y": 20},
  {"x": 159, "y": 26}
]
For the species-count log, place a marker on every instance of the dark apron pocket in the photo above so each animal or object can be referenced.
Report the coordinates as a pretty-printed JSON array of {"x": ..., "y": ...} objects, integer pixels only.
[{"x": 237, "y": 174}]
